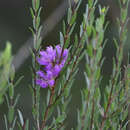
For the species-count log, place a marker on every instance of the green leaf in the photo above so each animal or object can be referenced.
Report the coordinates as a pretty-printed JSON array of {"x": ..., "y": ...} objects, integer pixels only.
[
  {"x": 87, "y": 80},
  {"x": 11, "y": 114},
  {"x": 61, "y": 118},
  {"x": 90, "y": 3},
  {"x": 76, "y": 40},
  {"x": 37, "y": 23},
  {"x": 5, "y": 65},
  {"x": 27, "y": 125},
  {"x": 48, "y": 97},
  {"x": 123, "y": 14},
  {"x": 6, "y": 124},
  {"x": 88, "y": 70},
  {"x": 99, "y": 24},
  {"x": 89, "y": 50},
  {"x": 32, "y": 13},
  {"x": 72, "y": 29},
  {"x": 12, "y": 73},
  {"x": 89, "y": 30},
  {"x": 37, "y": 4},
  {"x": 61, "y": 39},
  {"x": 19, "y": 126},
  {"x": 16, "y": 100},
  {"x": 64, "y": 28},
  {"x": 14, "y": 123},
  {"x": 39, "y": 32},
  {"x": 97, "y": 94},
  {"x": 11, "y": 91},
  {"x": 32, "y": 31},
  {"x": 18, "y": 81},
  {"x": 39, "y": 41},
  {"x": 21, "y": 118},
  {"x": 7, "y": 53},
  {"x": 98, "y": 73},
  {"x": 99, "y": 54},
  {"x": 33, "y": 4},
  {"x": 67, "y": 42},
  {"x": 73, "y": 19},
  {"x": 39, "y": 12},
  {"x": 79, "y": 3},
  {"x": 69, "y": 15}
]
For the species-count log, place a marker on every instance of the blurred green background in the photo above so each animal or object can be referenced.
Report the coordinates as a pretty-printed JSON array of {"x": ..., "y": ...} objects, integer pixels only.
[{"x": 15, "y": 20}]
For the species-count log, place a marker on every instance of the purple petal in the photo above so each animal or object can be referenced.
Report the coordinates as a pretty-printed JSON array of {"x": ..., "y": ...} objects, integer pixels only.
[
  {"x": 65, "y": 53},
  {"x": 58, "y": 50},
  {"x": 51, "y": 82},
  {"x": 50, "y": 59},
  {"x": 63, "y": 62},
  {"x": 48, "y": 67},
  {"x": 49, "y": 75},
  {"x": 41, "y": 83},
  {"x": 43, "y": 53},
  {"x": 49, "y": 49},
  {"x": 40, "y": 74},
  {"x": 42, "y": 61},
  {"x": 51, "y": 53},
  {"x": 56, "y": 70}
]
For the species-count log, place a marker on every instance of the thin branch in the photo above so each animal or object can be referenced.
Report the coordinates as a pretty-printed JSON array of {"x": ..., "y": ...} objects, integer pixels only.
[
  {"x": 107, "y": 108},
  {"x": 48, "y": 108},
  {"x": 92, "y": 114},
  {"x": 49, "y": 24},
  {"x": 70, "y": 75}
]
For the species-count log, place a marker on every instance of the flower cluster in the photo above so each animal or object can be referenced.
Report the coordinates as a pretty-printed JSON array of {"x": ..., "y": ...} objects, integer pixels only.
[{"x": 52, "y": 61}]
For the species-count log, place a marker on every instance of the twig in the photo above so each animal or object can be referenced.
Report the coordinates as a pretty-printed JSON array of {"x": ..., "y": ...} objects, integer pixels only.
[
  {"x": 48, "y": 108},
  {"x": 92, "y": 117},
  {"x": 23, "y": 53},
  {"x": 67, "y": 81},
  {"x": 108, "y": 105},
  {"x": 67, "y": 33}
]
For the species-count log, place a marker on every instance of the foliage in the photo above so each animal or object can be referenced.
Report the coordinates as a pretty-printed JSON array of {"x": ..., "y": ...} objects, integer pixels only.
[
  {"x": 5, "y": 63},
  {"x": 101, "y": 107}
]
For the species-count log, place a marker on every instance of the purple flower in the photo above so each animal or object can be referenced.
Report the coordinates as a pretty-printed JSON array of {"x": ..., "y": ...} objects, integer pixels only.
[{"x": 53, "y": 61}]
